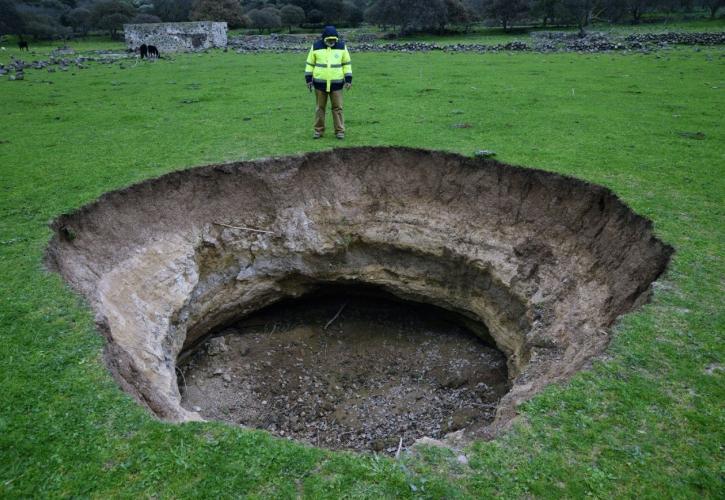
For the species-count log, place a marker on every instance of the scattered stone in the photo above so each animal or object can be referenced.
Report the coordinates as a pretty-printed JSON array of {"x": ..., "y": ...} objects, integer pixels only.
[
  {"x": 698, "y": 136},
  {"x": 216, "y": 346},
  {"x": 484, "y": 153},
  {"x": 385, "y": 372},
  {"x": 713, "y": 368}
]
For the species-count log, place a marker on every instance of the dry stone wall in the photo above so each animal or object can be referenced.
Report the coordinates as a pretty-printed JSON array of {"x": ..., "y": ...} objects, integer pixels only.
[{"x": 177, "y": 37}]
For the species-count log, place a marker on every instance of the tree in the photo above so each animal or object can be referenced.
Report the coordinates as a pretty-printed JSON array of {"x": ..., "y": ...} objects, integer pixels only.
[
  {"x": 408, "y": 14},
  {"x": 713, "y": 6},
  {"x": 332, "y": 10},
  {"x": 218, "y": 10},
  {"x": 505, "y": 11},
  {"x": 352, "y": 15},
  {"x": 315, "y": 16},
  {"x": 79, "y": 19},
  {"x": 10, "y": 19},
  {"x": 111, "y": 15},
  {"x": 638, "y": 7},
  {"x": 173, "y": 10},
  {"x": 145, "y": 19},
  {"x": 546, "y": 10},
  {"x": 42, "y": 18},
  {"x": 292, "y": 15},
  {"x": 580, "y": 12},
  {"x": 426, "y": 15},
  {"x": 459, "y": 13},
  {"x": 266, "y": 18},
  {"x": 383, "y": 12},
  {"x": 143, "y": 6},
  {"x": 615, "y": 10}
]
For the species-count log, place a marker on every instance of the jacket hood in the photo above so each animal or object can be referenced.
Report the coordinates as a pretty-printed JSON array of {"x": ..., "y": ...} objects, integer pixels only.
[{"x": 329, "y": 31}]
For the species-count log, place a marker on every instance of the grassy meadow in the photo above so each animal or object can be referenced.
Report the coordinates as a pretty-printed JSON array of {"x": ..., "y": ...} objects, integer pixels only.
[{"x": 646, "y": 420}]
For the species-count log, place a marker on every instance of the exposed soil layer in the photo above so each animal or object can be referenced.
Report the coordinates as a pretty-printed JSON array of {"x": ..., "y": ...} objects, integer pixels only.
[
  {"x": 347, "y": 372},
  {"x": 539, "y": 264}
]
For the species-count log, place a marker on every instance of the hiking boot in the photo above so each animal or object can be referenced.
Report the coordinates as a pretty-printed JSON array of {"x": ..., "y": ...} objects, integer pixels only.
[
  {"x": 316, "y": 135},
  {"x": 340, "y": 135}
]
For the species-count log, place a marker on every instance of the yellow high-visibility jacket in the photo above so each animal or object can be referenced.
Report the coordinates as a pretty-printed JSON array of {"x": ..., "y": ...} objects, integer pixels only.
[{"x": 328, "y": 68}]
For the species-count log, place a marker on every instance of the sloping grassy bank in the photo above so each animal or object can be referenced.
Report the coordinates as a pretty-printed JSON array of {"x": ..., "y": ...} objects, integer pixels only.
[{"x": 647, "y": 420}]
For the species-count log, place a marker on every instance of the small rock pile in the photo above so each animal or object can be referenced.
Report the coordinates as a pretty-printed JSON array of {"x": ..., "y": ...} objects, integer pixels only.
[{"x": 17, "y": 67}]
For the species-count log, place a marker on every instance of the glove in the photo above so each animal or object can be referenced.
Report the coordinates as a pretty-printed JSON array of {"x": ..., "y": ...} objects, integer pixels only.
[
  {"x": 309, "y": 86},
  {"x": 348, "y": 86}
]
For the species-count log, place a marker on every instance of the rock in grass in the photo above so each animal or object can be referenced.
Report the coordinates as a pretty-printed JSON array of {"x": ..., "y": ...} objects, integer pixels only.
[
  {"x": 698, "y": 136},
  {"x": 484, "y": 153},
  {"x": 216, "y": 346}
]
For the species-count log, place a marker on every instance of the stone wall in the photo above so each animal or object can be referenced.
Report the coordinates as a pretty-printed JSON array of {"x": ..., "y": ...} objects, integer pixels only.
[{"x": 177, "y": 37}]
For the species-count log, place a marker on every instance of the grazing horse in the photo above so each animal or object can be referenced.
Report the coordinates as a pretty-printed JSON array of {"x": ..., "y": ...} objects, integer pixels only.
[
  {"x": 153, "y": 51},
  {"x": 22, "y": 44},
  {"x": 143, "y": 49}
]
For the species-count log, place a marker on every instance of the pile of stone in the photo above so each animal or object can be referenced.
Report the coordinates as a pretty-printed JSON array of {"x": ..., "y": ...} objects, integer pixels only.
[
  {"x": 62, "y": 51},
  {"x": 248, "y": 44},
  {"x": 552, "y": 41},
  {"x": 681, "y": 38},
  {"x": 555, "y": 35},
  {"x": 363, "y": 37},
  {"x": 562, "y": 41},
  {"x": 274, "y": 43},
  {"x": 17, "y": 67},
  {"x": 15, "y": 70},
  {"x": 543, "y": 41}
]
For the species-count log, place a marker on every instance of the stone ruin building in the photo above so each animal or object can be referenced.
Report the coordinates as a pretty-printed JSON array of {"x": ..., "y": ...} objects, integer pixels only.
[{"x": 177, "y": 37}]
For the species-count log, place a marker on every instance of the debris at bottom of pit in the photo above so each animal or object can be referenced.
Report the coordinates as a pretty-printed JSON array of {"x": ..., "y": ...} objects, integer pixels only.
[{"x": 383, "y": 373}]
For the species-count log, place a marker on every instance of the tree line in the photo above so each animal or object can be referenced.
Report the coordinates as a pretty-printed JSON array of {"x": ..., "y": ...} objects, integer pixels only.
[{"x": 46, "y": 19}]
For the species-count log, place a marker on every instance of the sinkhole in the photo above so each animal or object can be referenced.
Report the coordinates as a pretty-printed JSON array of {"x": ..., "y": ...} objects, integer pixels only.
[{"x": 357, "y": 297}]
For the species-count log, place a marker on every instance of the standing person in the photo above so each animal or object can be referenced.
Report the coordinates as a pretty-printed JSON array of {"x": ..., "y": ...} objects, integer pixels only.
[{"x": 328, "y": 70}]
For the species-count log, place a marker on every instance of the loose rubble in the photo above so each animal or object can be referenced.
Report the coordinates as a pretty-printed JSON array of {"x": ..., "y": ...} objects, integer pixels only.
[
  {"x": 381, "y": 372},
  {"x": 58, "y": 61}
]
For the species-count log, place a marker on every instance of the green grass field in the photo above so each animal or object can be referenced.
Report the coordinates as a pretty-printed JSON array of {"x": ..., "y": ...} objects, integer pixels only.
[{"x": 646, "y": 420}]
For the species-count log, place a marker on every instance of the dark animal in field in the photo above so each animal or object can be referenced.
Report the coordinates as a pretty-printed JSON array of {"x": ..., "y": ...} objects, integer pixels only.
[
  {"x": 22, "y": 44},
  {"x": 153, "y": 51},
  {"x": 143, "y": 49}
]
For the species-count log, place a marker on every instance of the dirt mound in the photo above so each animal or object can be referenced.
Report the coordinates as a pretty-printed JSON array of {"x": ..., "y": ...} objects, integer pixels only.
[{"x": 539, "y": 264}]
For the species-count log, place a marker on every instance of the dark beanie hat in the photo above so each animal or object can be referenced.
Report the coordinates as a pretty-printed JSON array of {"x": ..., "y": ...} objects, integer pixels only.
[{"x": 329, "y": 31}]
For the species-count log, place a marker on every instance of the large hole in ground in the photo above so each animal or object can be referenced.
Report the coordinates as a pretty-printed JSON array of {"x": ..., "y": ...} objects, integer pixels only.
[
  {"x": 347, "y": 368},
  {"x": 539, "y": 265}
]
